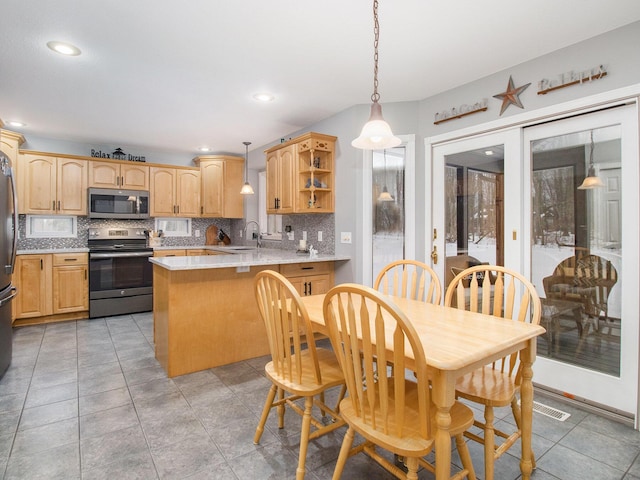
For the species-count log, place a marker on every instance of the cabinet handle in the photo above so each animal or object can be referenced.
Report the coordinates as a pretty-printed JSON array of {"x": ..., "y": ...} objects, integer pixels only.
[
  {"x": 58, "y": 204},
  {"x": 41, "y": 264},
  {"x": 177, "y": 208},
  {"x": 53, "y": 206},
  {"x": 70, "y": 259},
  {"x": 201, "y": 210},
  {"x": 305, "y": 288},
  {"x": 122, "y": 180},
  {"x": 310, "y": 288},
  {"x": 85, "y": 273},
  {"x": 308, "y": 268}
]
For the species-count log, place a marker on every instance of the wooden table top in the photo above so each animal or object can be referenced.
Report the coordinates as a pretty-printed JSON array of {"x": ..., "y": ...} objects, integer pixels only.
[{"x": 452, "y": 339}]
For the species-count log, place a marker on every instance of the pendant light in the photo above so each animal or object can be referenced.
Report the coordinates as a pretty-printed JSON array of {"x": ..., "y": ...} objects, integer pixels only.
[
  {"x": 591, "y": 181},
  {"x": 376, "y": 133},
  {"x": 246, "y": 188},
  {"x": 385, "y": 196}
]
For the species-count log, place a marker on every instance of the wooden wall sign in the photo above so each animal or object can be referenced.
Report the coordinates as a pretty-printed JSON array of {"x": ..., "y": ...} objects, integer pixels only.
[
  {"x": 570, "y": 78},
  {"x": 461, "y": 111}
]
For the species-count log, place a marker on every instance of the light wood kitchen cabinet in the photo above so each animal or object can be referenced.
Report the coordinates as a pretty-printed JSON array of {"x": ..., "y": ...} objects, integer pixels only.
[
  {"x": 301, "y": 176},
  {"x": 174, "y": 192},
  {"x": 309, "y": 278},
  {"x": 222, "y": 179},
  {"x": 52, "y": 185},
  {"x": 174, "y": 252},
  {"x": 130, "y": 176},
  {"x": 32, "y": 278},
  {"x": 280, "y": 176},
  {"x": 9, "y": 144},
  {"x": 70, "y": 282},
  {"x": 51, "y": 287}
]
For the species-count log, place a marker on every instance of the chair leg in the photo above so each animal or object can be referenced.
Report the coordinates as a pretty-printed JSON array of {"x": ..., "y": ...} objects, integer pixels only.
[
  {"x": 465, "y": 456},
  {"x": 347, "y": 442},
  {"x": 304, "y": 437},
  {"x": 517, "y": 413},
  {"x": 265, "y": 413},
  {"x": 489, "y": 443},
  {"x": 280, "y": 408},
  {"x": 412, "y": 468}
]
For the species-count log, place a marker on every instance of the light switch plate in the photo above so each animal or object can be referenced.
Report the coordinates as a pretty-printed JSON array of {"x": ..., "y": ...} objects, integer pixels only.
[
  {"x": 319, "y": 236},
  {"x": 345, "y": 237}
]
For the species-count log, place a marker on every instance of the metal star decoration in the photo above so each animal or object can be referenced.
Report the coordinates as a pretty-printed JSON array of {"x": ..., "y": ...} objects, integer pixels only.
[{"x": 511, "y": 96}]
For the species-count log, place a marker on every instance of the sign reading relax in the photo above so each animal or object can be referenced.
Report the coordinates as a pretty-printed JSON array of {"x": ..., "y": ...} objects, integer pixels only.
[{"x": 118, "y": 154}]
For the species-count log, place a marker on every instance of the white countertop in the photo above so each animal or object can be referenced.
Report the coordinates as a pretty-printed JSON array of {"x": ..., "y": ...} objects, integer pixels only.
[
  {"x": 42, "y": 251},
  {"x": 262, "y": 256}
]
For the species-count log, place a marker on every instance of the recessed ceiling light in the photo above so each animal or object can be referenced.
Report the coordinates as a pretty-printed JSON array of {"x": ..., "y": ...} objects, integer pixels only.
[
  {"x": 488, "y": 152},
  {"x": 264, "y": 97},
  {"x": 64, "y": 48},
  {"x": 204, "y": 149},
  {"x": 14, "y": 123}
]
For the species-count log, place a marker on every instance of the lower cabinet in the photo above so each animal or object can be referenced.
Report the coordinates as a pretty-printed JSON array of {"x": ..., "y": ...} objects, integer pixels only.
[
  {"x": 309, "y": 278},
  {"x": 51, "y": 287},
  {"x": 177, "y": 252}
]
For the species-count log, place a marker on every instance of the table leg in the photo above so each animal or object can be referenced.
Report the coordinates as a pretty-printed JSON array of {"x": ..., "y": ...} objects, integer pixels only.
[
  {"x": 527, "y": 357},
  {"x": 443, "y": 395}
]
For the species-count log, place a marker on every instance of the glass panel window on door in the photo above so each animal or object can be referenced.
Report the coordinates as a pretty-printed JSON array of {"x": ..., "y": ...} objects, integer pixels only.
[{"x": 576, "y": 246}]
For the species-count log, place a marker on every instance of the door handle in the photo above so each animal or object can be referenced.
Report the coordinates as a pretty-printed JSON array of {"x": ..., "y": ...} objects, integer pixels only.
[{"x": 434, "y": 255}]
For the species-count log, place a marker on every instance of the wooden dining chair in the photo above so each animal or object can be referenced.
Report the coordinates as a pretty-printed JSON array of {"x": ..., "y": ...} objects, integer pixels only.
[
  {"x": 498, "y": 291},
  {"x": 298, "y": 368},
  {"x": 390, "y": 408},
  {"x": 410, "y": 279}
]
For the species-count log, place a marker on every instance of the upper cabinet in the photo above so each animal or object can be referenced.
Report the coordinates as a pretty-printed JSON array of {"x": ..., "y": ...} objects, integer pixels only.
[
  {"x": 300, "y": 175},
  {"x": 174, "y": 192},
  {"x": 221, "y": 177},
  {"x": 52, "y": 185},
  {"x": 130, "y": 176},
  {"x": 9, "y": 144}
]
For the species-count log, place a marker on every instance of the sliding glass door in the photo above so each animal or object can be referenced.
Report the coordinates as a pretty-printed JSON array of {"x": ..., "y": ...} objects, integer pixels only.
[{"x": 584, "y": 254}]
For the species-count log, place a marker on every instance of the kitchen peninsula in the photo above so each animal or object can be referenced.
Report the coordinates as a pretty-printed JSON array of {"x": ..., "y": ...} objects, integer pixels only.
[{"x": 204, "y": 307}]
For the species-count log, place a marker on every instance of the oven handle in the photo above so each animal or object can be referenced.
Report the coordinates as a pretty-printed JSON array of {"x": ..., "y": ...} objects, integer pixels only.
[{"x": 119, "y": 255}]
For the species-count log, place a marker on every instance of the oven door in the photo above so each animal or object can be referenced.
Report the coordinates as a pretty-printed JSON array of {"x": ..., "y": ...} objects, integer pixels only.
[{"x": 120, "y": 282}]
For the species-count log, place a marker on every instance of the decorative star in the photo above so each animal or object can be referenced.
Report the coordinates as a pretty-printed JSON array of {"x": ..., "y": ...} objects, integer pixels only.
[{"x": 511, "y": 96}]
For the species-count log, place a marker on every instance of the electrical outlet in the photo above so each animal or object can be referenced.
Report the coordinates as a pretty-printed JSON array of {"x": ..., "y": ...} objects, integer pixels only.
[
  {"x": 197, "y": 233},
  {"x": 345, "y": 237},
  {"x": 319, "y": 236}
]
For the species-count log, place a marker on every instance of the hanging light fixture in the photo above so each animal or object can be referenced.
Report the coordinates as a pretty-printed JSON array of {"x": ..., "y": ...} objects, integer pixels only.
[
  {"x": 246, "y": 189},
  {"x": 376, "y": 133},
  {"x": 591, "y": 181},
  {"x": 385, "y": 196}
]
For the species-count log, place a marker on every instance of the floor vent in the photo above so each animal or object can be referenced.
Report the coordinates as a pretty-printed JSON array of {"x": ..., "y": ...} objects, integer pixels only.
[{"x": 550, "y": 411}]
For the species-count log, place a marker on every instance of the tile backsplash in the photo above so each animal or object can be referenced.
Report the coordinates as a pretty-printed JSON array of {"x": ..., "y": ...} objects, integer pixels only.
[{"x": 312, "y": 224}]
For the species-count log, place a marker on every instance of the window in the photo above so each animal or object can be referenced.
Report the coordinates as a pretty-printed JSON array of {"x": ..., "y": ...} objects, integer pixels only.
[
  {"x": 270, "y": 225},
  {"x": 58, "y": 226},
  {"x": 174, "y": 227}
]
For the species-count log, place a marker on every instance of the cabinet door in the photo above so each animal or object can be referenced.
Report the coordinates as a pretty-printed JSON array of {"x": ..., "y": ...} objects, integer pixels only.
[
  {"x": 286, "y": 178},
  {"x": 188, "y": 193},
  {"x": 162, "y": 191},
  {"x": 32, "y": 276},
  {"x": 272, "y": 182},
  {"x": 38, "y": 182},
  {"x": 212, "y": 188},
  {"x": 312, "y": 285},
  {"x": 134, "y": 177},
  {"x": 233, "y": 180},
  {"x": 104, "y": 174},
  {"x": 71, "y": 187},
  {"x": 70, "y": 289}
]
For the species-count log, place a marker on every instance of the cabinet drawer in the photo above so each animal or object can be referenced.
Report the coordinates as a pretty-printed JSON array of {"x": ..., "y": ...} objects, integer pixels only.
[
  {"x": 308, "y": 268},
  {"x": 60, "y": 259}
]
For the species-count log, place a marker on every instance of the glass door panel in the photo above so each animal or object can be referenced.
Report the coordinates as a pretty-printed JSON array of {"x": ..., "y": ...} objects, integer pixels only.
[{"x": 581, "y": 171}]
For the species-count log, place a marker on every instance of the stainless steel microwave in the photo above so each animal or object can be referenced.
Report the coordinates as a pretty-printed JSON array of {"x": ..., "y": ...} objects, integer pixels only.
[{"x": 115, "y": 203}]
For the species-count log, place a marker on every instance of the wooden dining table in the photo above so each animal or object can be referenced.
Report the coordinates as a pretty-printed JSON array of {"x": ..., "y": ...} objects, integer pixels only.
[{"x": 457, "y": 342}]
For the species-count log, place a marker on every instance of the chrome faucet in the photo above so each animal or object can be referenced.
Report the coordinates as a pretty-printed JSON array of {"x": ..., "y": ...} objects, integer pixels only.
[{"x": 244, "y": 233}]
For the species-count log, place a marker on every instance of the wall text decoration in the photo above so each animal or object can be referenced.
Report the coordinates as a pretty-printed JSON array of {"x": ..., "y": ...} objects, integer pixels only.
[
  {"x": 570, "y": 78},
  {"x": 118, "y": 154},
  {"x": 462, "y": 111}
]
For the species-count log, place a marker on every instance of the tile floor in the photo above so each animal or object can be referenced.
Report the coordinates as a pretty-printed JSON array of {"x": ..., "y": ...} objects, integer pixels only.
[{"x": 88, "y": 400}]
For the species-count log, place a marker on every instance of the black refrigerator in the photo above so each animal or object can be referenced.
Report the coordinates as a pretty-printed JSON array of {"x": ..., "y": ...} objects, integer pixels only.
[{"x": 8, "y": 244}]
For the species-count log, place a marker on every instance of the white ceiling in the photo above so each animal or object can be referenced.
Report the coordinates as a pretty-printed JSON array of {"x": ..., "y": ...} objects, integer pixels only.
[{"x": 179, "y": 75}]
